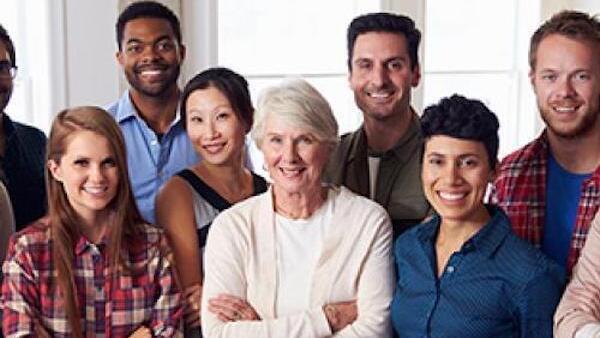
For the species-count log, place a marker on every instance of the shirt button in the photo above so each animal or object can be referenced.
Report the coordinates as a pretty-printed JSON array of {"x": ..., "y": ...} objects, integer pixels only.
[
  {"x": 154, "y": 142},
  {"x": 450, "y": 269}
]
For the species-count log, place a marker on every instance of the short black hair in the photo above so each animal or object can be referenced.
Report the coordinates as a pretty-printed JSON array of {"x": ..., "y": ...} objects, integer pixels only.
[
  {"x": 229, "y": 83},
  {"x": 10, "y": 47},
  {"x": 385, "y": 23},
  {"x": 147, "y": 9},
  {"x": 463, "y": 118}
]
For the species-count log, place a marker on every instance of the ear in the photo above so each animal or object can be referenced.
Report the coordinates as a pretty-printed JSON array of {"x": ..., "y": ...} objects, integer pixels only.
[
  {"x": 182, "y": 52},
  {"x": 494, "y": 173},
  {"x": 416, "y": 76},
  {"x": 55, "y": 170},
  {"x": 119, "y": 57}
]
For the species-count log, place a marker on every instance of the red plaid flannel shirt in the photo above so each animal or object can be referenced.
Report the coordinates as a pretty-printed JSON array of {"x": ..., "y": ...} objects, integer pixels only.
[
  {"x": 109, "y": 307},
  {"x": 520, "y": 189}
]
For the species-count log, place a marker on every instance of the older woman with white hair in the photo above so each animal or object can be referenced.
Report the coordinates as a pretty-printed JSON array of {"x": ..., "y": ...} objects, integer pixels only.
[{"x": 303, "y": 259}]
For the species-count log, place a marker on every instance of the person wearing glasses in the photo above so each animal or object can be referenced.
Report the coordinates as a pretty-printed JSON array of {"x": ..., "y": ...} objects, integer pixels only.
[{"x": 22, "y": 148}]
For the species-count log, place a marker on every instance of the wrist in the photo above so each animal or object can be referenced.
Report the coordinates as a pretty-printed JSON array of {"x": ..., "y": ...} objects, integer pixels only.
[{"x": 332, "y": 315}]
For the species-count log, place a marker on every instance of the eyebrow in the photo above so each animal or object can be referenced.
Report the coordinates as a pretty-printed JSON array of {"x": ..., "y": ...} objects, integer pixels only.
[{"x": 137, "y": 40}]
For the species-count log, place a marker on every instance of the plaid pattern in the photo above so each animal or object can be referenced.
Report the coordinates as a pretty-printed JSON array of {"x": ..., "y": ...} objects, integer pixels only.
[
  {"x": 147, "y": 294},
  {"x": 520, "y": 189}
]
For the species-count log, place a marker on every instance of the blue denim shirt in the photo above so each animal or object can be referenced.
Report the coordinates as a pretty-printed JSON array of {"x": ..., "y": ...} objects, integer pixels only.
[
  {"x": 497, "y": 285},
  {"x": 151, "y": 163}
]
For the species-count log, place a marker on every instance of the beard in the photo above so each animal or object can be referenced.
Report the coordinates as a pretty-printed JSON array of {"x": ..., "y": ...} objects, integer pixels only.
[
  {"x": 586, "y": 123},
  {"x": 5, "y": 94},
  {"x": 157, "y": 89}
]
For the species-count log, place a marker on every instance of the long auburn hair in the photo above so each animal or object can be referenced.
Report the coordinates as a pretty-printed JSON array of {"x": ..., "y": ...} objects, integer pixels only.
[{"x": 126, "y": 221}]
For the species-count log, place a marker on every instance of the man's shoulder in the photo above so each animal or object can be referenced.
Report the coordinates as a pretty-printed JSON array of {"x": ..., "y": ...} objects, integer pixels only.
[
  {"x": 120, "y": 108},
  {"x": 531, "y": 154}
]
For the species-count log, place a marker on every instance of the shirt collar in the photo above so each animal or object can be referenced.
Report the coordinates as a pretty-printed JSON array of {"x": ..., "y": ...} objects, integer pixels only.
[
  {"x": 412, "y": 135},
  {"x": 83, "y": 244},
  {"x": 127, "y": 110},
  {"x": 486, "y": 240}
]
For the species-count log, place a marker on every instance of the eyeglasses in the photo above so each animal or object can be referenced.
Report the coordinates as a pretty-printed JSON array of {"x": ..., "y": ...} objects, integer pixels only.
[{"x": 7, "y": 70}]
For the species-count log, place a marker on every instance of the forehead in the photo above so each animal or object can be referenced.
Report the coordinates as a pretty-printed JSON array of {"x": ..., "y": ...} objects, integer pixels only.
[
  {"x": 87, "y": 143},
  {"x": 454, "y": 147},
  {"x": 380, "y": 45},
  {"x": 558, "y": 50},
  {"x": 147, "y": 29},
  {"x": 207, "y": 98}
]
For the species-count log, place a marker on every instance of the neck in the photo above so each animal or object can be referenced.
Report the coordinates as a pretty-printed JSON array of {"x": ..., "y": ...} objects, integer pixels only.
[
  {"x": 93, "y": 227},
  {"x": 230, "y": 176},
  {"x": 383, "y": 135},
  {"x": 300, "y": 205},
  {"x": 160, "y": 111},
  {"x": 453, "y": 234},
  {"x": 579, "y": 155}
]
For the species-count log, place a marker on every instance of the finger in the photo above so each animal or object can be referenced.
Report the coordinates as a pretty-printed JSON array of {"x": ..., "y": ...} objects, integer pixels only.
[{"x": 222, "y": 313}]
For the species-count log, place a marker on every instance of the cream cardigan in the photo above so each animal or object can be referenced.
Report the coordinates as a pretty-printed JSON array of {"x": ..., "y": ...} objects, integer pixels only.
[
  {"x": 355, "y": 264},
  {"x": 580, "y": 303}
]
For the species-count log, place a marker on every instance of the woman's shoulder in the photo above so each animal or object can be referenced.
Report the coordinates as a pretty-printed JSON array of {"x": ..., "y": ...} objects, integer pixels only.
[
  {"x": 354, "y": 205},
  {"x": 32, "y": 244}
]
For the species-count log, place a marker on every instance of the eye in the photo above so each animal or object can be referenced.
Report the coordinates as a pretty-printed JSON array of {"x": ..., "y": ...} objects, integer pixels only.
[
  {"x": 134, "y": 48},
  {"x": 363, "y": 64},
  {"x": 275, "y": 139},
  {"x": 165, "y": 46},
  {"x": 223, "y": 115},
  {"x": 435, "y": 161},
  {"x": 468, "y": 162},
  {"x": 109, "y": 163},
  {"x": 305, "y": 139},
  {"x": 582, "y": 76},
  {"x": 81, "y": 162},
  {"x": 551, "y": 77},
  {"x": 196, "y": 119},
  {"x": 396, "y": 64}
]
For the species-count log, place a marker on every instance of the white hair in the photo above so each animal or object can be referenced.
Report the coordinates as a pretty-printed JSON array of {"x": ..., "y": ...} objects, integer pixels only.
[{"x": 298, "y": 104}]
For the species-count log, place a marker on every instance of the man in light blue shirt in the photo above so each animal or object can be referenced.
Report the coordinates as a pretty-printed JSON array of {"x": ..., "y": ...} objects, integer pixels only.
[{"x": 150, "y": 52}]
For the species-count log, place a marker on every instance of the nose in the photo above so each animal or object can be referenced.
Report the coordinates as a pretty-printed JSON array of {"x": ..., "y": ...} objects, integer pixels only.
[
  {"x": 379, "y": 76},
  {"x": 565, "y": 88},
  {"x": 290, "y": 153},
  {"x": 452, "y": 174},
  {"x": 210, "y": 130},
  {"x": 96, "y": 173},
  {"x": 149, "y": 54}
]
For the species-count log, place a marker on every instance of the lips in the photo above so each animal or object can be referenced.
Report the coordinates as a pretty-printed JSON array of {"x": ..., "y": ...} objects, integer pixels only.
[
  {"x": 451, "y": 196},
  {"x": 96, "y": 191},
  {"x": 291, "y": 172},
  {"x": 214, "y": 148},
  {"x": 153, "y": 72}
]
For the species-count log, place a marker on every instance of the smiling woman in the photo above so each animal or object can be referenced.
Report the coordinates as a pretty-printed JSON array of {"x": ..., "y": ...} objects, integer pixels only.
[
  {"x": 93, "y": 251},
  {"x": 463, "y": 272},
  {"x": 302, "y": 258}
]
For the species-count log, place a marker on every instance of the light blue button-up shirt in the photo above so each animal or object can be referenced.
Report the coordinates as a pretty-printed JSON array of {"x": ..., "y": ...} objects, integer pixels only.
[{"x": 151, "y": 162}]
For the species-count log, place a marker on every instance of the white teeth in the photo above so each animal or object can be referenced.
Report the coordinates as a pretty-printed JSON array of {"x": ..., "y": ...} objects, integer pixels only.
[
  {"x": 94, "y": 190},
  {"x": 291, "y": 171},
  {"x": 379, "y": 95},
  {"x": 214, "y": 148},
  {"x": 151, "y": 72},
  {"x": 451, "y": 196},
  {"x": 564, "y": 109}
]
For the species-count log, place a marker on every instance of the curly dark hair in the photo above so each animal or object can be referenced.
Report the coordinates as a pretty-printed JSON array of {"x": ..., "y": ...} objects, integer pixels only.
[
  {"x": 459, "y": 117},
  {"x": 385, "y": 23},
  {"x": 229, "y": 83},
  {"x": 147, "y": 9}
]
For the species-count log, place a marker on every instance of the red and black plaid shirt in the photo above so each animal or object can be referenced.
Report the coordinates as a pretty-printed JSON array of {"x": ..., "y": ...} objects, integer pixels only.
[
  {"x": 109, "y": 307},
  {"x": 520, "y": 190}
]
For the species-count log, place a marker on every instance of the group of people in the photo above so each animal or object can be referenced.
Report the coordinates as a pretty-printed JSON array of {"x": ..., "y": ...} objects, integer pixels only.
[{"x": 151, "y": 223}]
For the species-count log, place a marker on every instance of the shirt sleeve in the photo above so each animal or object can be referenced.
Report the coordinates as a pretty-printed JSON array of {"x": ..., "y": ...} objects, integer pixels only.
[
  {"x": 19, "y": 293},
  {"x": 224, "y": 257},
  {"x": 375, "y": 286},
  {"x": 537, "y": 302},
  {"x": 579, "y": 305},
  {"x": 167, "y": 314}
]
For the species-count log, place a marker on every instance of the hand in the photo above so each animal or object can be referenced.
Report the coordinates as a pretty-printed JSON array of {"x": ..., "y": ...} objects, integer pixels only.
[
  {"x": 191, "y": 305},
  {"x": 341, "y": 314},
  {"x": 141, "y": 332},
  {"x": 230, "y": 308}
]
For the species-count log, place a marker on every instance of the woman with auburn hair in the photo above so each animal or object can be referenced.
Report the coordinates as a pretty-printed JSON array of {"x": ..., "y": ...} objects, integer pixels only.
[
  {"x": 217, "y": 113},
  {"x": 92, "y": 266}
]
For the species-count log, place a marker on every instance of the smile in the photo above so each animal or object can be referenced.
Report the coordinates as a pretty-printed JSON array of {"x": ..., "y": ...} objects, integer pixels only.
[
  {"x": 291, "y": 172},
  {"x": 95, "y": 190},
  {"x": 451, "y": 197},
  {"x": 214, "y": 147}
]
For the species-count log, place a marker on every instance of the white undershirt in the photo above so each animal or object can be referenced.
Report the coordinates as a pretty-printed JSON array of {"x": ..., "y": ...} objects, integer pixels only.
[
  {"x": 299, "y": 245},
  {"x": 373, "y": 171}
]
